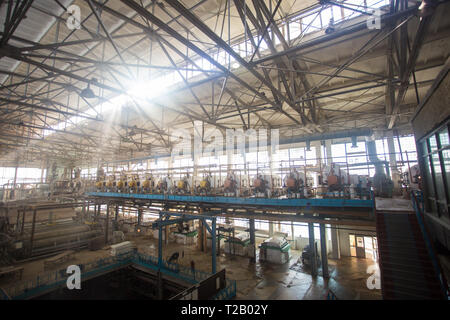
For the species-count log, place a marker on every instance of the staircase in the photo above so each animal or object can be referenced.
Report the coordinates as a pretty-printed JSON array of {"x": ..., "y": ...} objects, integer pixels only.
[{"x": 407, "y": 270}]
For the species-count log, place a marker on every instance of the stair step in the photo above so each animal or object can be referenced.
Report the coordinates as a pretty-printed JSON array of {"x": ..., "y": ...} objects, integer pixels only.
[
  {"x": 399, "y": 294},
  {"x": 426, "y": 280},
  {"x": 411, "y": 288},
  {"x": 401, "y": 244},
  {"x": 413, "y": 268},
  {"x": 418, "y": 254},
  {"x": 397, "y": 253}
]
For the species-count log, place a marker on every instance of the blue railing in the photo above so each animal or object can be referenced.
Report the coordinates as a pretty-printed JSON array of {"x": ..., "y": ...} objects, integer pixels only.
[
  {"x": 275, "y": 202},
  {"x": 419, "y": 206},
  {"x": 330, "y": 295},
  {"x": 50, "y": 281}
]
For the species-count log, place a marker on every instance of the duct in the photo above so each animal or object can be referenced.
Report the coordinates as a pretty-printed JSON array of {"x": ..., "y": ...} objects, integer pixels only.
[
  {"x": 65, "y": 231},
  {"x": 55, "y": 241},
  {"x": 328, "y": 136},
  {"x": 363, "y": 132},
  {"x": 382, "y": 184}
]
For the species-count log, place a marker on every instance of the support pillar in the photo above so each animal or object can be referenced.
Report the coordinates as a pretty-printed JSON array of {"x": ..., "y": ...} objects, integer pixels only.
[
  {"x": 166, "y": 240},
  {"x": 323, "y": 251},
  {"x": 107, "y": 223},
  {"x": 160, "y": 284},
  {"x": 270, "y": 228},
  {"x": 312, "y": 246},
  {"x": 336, "y": 250},
  {"x": 139, "y": 221},
  {"x": 213, "y": 245},
  {"x": 252, "y": 239},
  {"x": 328, "y": 154}
]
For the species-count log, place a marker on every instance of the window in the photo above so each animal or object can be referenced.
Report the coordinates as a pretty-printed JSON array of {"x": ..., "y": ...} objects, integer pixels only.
[{"x": 435, "y": 155}]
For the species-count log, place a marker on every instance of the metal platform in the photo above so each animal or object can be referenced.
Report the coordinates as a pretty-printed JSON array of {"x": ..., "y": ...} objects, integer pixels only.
[{"x": 267, "y": 202}]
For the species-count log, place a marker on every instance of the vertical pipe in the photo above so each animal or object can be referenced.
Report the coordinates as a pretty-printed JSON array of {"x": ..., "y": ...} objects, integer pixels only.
[
  {"x": 213, "y": 244},
  {"x": 159, "y": 247},
  {"x": 117, "y": 213},
  {"x": 323, "y": 250},
  {"x": 23, "y": 221},
  {"x": 312, "y": 247},
  {"x": 17, "y": 219},
  {"x": 33, "y": 225}
]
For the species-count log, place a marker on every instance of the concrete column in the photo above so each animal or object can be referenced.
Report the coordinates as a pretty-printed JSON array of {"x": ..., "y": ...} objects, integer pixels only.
[
  {"x": 229, "y": 159},
  {"x": 116, "y": 217},
  {"x": 13, "y": 191},
  {"x": 252, "y": 239},
  {"x": 167, "y": 235},
  {"x": 336, "y": 250},
  {"x": 328, "y": 154},
  {"x": 213, "y": 246},
  {"x": 393, "y": 162},
  {"x": 323, "y": 251},
  {"x": 270, "y": 228},
  {"x": 139, "y": 221},
  {"x": 312, "y": 246}
]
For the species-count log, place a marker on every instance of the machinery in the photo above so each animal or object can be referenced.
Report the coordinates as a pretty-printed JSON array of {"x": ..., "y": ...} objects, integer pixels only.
[
  {"x": 182, "y": 186},
  {"x": 100, "y": 183},
  {"x": 362, "y": 188},
  {"x": 307, "y": 254},
  {"x": 164, "y": 185},
  {"x": 335, "y": 179},
  {"x": 111, "y": 184},
  {"x": 206, "y": 185},
  {"x": 382, "y": 184},
  {"x": 294, "y": 184},
  {"x": 121, "y": 184},
  {"x": 261, "y": 186},
  {"x": 76, "y": 184},
  {"x": 411, "y": 179},
  {"x": 148, "y": 184},
  {"x": 231, "y": 185},
  {"x": 133, "y": 184},
  {"x": 275, "y": 250}
]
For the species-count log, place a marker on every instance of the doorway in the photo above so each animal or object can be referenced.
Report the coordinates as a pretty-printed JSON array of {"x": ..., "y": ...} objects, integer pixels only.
[{"x": 365, "y": 247}]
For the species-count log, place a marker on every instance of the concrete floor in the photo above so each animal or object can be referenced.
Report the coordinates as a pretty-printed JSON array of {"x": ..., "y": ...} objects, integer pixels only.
[{"x": 258, "y": 281}]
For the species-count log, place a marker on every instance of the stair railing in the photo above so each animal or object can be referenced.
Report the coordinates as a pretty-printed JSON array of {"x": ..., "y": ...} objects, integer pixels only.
[{"x": 419, "y": 209}]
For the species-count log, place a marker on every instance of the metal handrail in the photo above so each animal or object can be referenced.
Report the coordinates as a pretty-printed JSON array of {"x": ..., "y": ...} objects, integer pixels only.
[
  {"x": 431, "y": 251},
  {"x": 53, "y": 279},
  {"x": 329, "y": 295}
]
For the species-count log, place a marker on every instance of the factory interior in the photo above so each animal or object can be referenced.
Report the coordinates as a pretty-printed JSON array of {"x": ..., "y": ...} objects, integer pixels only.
[{"x": 224, "y": 150}]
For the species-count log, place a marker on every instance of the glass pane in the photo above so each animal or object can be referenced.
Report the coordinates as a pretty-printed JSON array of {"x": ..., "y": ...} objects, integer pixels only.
[
  {"x": 352, "y": 240},
  {"x": 446, "y": 158},
  {"x": 428, "y": 178},
  {"x": 360, "y": 242},
  {"x": 433, "y": 143},
  {"x": 311, "y": 23},
  {"x": 440, "y": 190},
  {"x": 443, "y": 137}
]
